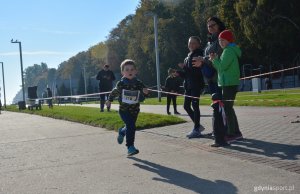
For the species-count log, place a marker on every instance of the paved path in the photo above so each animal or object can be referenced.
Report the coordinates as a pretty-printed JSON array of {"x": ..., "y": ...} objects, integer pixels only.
[{"x": 43, "y": 155}]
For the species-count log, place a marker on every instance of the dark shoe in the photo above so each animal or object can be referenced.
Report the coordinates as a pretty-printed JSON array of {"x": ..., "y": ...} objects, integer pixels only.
[
  {"x": 132, "y": 151},
  {"x": 168, "y": 113},
  {"x": 101, "y": 110},
  {"x": 217, "y": 145},
  {"x": 177, "y": 113},
  {"x": 230, "y": 138},
  {"x": 239, "y": 137}
]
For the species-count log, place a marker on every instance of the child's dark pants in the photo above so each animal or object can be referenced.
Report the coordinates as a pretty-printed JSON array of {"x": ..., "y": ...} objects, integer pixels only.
[
  {"x": 194, "y": 102},
  {"x": 229, "y": 93},
  {"x": 129, "y": 119},
  {"x": 171, "y": 97},
  {"x": 219, "y": 129}
]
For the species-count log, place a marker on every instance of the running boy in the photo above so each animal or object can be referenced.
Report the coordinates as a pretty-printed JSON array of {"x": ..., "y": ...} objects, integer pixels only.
[{"x": 129, "y": 91}]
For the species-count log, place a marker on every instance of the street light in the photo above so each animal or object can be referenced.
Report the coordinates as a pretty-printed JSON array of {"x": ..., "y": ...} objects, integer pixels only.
[
  {"x": 70, "y": 84},
  {"x": 20, "y": 48},
  {"x": 3, "y": 85},
  {"x": 156, "y": 53},
  {"x": 85, "y": 89}
]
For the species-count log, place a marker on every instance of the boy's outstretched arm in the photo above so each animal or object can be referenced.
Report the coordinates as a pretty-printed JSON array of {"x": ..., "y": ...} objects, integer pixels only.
[{"x": 114, "y": 93}]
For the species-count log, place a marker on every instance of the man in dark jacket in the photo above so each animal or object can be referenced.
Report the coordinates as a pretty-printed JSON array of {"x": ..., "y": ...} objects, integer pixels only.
[{"x": 106, "y": 78}]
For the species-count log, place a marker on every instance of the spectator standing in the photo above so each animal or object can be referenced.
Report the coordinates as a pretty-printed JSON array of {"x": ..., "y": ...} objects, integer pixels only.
[
  {"x": 193, "y": 85},
  {"x": 214, "y": 26},
  {"x": 172, "y": 85},
  {"x": 49, "y": 96},
  {"x": 228, "y": 69},
  {"x": 106, "y": 78}
]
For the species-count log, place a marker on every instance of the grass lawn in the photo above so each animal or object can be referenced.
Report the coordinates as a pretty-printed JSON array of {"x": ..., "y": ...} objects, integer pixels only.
[
  {"x": 92, "y": 116},
  {"x": 288, "y": 97}
]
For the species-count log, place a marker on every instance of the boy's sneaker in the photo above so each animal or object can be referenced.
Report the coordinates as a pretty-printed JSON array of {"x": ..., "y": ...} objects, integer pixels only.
[
  {"x": 132, "y": 151},
  {"x": 121, "y": 136},
  {"x": 195, "y": 133}
]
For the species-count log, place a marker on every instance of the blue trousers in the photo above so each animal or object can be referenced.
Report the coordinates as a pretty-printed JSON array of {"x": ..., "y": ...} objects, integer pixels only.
[{"x": 129, "y": 119}]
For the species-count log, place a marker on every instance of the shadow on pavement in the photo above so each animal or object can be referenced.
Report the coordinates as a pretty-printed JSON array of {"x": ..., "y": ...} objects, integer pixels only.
[
  {"x": 185, "y": 180},
  {"x": 269, "y": 149},
  {"x": 185, "y": 114}
]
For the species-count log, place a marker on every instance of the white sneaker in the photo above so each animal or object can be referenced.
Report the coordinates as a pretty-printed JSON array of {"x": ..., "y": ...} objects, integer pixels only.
[
  {"x": 201, "y": 128},
  {"x": 194, "y": 134}
]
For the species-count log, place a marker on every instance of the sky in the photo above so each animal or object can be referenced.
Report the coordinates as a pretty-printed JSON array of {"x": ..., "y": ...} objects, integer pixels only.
[{"x": 52, "y": 31}]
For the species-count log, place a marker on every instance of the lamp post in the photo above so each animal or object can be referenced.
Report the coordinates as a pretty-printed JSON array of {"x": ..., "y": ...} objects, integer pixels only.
[
  {"x": 70, "y": 85},
  {"x": 21, "y": 60},
  {"x": 3, "y": 85},
  {"x": 156, "y": 53},
  {"x": 85, "y": 90}
]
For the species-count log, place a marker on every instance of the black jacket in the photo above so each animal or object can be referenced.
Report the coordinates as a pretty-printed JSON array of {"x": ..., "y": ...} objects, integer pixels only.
[
  {"x": 106, "y": 79},
  {"x": 212, "y": 46},
  {"x": 172, "y": 84},
  {"x": 193, "y": 78}
]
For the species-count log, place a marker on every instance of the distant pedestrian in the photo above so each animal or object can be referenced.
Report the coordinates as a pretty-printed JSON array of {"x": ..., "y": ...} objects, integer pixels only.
[
  {"x": 130, "y": 92},
  {"x": 49, "y": 96},
  {"x": 106, "y": 78},
  {"x": 172, "y": 85},
  {"x": 268, "y": 83}
]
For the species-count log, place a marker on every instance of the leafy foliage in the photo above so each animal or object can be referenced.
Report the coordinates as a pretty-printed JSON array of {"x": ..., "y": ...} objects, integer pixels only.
[{"x": 267, "y": 31}]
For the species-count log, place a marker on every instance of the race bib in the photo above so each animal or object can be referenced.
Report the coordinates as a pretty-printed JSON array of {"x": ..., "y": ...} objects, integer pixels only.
[{"x": 130, "y": 96}]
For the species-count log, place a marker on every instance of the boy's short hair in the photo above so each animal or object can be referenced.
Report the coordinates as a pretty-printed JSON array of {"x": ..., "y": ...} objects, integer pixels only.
[
  {"x": 197, "y": 38},
  {"x": 127, "y": 62},
  {"x": 170, "y": 71}
]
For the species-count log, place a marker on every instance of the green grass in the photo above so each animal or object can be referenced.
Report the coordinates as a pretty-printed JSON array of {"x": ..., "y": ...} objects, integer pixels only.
[
  {"x": 288, "y": 97},
  {"x": 92, "y": 116}
]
